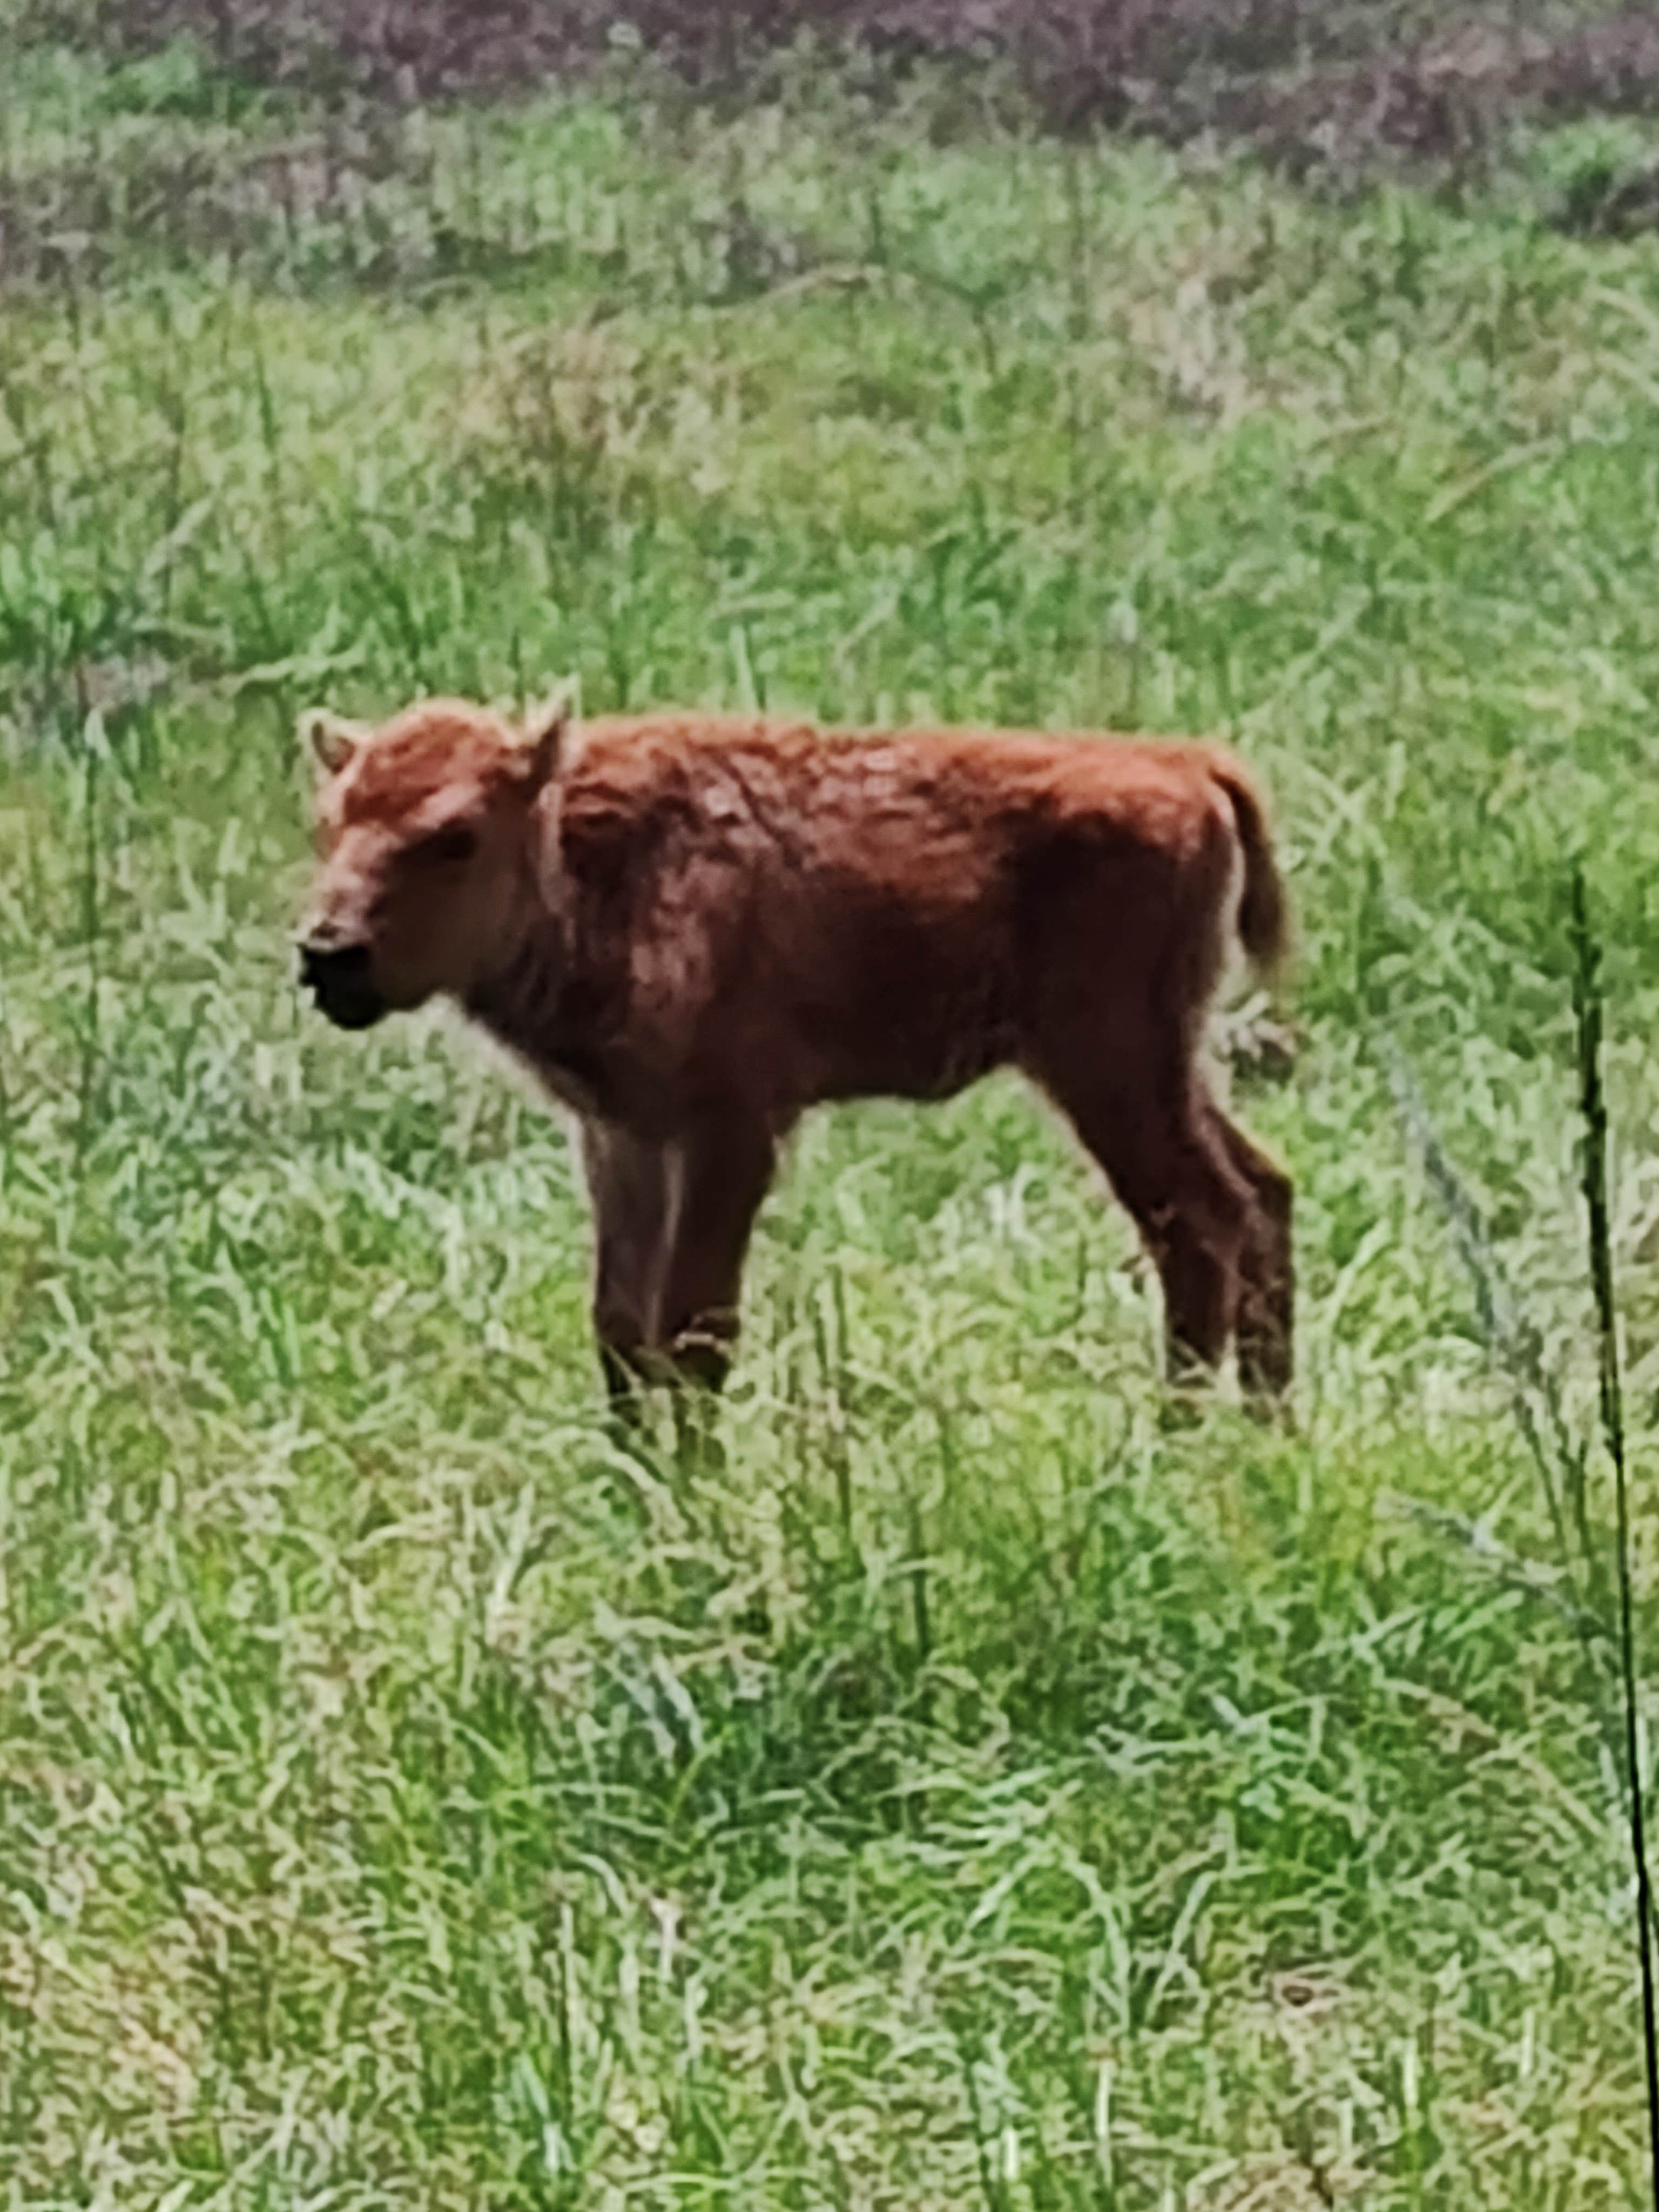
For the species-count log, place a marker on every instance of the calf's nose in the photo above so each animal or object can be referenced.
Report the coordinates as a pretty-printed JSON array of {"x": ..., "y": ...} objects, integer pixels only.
[
  {"x": 324, "y": 961},
  {"x": 341, "y": 979}
]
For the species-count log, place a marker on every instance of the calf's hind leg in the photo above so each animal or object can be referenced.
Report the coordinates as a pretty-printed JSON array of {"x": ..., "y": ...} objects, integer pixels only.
[
  {"x": 1268, "y": 1268},
  {"x": 1161, "y": 1154}
]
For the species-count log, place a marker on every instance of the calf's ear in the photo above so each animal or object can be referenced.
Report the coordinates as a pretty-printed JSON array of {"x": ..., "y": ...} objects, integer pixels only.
[
  {"x": 333, "y": 739},
  {"x": 544, "y": 730}
]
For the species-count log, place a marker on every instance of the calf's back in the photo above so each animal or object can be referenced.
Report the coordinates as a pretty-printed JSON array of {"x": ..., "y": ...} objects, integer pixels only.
[{"x": 810, "y": 915}]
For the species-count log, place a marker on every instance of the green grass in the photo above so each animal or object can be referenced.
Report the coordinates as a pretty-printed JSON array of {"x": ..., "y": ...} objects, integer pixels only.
[{"x": 404, "y": 1798}]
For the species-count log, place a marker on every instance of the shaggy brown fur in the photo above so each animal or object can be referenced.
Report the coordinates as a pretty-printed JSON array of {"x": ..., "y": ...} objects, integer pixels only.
[{"x": 693, "y": 926}]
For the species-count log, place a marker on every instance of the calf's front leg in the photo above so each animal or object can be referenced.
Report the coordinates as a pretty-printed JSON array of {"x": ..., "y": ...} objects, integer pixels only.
[
  {"x": 628, "y": 1182},
  {"x": 719, "y": 1172}
]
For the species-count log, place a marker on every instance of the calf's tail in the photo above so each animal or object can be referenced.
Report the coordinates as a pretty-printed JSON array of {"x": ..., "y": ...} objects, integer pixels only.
[{"x": 1264, "y": 913}]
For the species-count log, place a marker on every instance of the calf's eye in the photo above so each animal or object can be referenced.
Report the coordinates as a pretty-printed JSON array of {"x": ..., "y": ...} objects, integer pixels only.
[{"x": 454, "y": 842}]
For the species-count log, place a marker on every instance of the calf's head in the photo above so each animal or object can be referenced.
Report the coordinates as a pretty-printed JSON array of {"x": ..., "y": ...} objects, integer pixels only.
[{"x": 427, "y": 834}]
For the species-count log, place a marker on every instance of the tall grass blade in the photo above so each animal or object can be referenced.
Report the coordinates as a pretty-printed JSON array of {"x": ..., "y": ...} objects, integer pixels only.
[{"x": 1592, "y": 1101}]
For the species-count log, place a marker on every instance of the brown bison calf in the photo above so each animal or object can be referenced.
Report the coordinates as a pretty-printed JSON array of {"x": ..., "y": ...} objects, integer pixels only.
[{"x": 691, "y": 926}]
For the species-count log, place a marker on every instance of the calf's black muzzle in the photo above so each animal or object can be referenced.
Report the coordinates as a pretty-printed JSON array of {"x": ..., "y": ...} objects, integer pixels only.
[{"x": 340, "y": 978}]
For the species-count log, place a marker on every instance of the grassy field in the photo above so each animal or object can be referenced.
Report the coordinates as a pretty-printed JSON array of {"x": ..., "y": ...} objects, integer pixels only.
[{"x": 406, "y": 1798}]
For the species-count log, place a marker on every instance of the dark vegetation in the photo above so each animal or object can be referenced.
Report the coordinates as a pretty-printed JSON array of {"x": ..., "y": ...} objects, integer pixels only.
[
  {"x": 1333, "y": 94},
  {"x": 1319, "y": 86}
]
